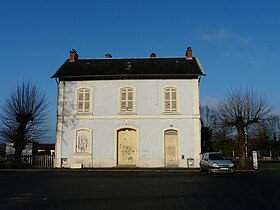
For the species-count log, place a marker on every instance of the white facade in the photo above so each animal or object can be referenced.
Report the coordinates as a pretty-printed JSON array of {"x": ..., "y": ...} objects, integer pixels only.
[{"x": 106, "y": 135}]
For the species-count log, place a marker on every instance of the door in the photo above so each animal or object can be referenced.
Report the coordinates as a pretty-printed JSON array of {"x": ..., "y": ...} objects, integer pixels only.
[
  {"x": 126, "y": 147},
  {"x": 171, "y": 148}
]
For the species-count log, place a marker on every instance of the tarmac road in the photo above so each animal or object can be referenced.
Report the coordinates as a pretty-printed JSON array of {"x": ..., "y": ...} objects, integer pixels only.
[{"x": 82, "y": 189}]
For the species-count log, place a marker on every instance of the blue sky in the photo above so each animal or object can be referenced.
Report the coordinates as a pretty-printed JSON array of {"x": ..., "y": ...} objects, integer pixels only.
[{"x": 237, "y": 42}]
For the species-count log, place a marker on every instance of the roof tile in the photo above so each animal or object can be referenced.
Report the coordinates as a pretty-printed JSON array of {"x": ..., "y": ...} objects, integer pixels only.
[{"x": 129, "y": 68}]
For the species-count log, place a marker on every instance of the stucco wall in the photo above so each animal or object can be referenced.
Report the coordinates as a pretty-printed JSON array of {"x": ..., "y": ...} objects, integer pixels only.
[{"x": 148, "y": 121}]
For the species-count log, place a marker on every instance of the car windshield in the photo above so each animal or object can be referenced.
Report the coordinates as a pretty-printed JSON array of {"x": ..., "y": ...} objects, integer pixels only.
[{"x": 217, "y": 157}]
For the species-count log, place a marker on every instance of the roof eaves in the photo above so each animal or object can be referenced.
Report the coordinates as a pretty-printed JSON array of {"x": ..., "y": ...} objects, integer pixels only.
[
  {"x": 129, "y": 76},
  {"x": 200, "y": 66}
]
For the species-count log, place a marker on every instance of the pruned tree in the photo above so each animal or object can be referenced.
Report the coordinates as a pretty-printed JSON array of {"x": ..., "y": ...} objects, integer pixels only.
[
  {"x": 239, "y": 109},
  {"x": 212, "y": 135},
  {"x": 23, "y": 118},
  {"x": 273, "y": 126}
]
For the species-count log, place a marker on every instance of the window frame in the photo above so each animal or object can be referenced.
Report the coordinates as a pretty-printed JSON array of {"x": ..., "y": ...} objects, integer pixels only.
[
  {"x": 89, "y": 142},
  {"x": 83, "y": 111},
  {"x": 128, "y": 102},
  {"x": 170, "y": 90}
]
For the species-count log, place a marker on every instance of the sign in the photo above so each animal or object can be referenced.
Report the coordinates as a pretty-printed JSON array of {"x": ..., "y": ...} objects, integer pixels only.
[{"x": 255, "y": 159}]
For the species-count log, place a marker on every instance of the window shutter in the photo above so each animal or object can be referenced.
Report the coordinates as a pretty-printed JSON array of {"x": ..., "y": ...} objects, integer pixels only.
[
  {"x": 129, "y": 105},
  {"x": 127, "y": 100},
  {"x": 170, "y": 99},
  {"x": 123, "y": 106},
  {"x": 84, "y": 101}
]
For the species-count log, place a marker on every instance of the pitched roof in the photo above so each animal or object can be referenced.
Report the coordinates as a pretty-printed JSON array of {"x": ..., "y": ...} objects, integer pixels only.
[{"x": 130, "y": 68}]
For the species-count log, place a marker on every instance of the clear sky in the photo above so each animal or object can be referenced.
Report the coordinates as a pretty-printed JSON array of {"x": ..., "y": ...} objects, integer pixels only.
[{"x": 237, "y": 42}]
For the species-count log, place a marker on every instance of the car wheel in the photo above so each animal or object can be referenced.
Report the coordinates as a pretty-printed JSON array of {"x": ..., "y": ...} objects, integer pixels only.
[
  {"x": 209, "y": 170},
  {"x": 200, "y": 168}
]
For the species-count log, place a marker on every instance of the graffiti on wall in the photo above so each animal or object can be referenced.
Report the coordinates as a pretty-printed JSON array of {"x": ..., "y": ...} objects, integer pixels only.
[
  {"x": 127, "y": 147},
  {"x": 127, "y": 153},
  {"x": 82, "y": 141},
  {"x": 171, "y": 148}
]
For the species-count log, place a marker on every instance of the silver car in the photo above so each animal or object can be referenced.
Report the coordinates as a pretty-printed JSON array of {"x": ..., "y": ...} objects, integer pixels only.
[{"x": 216, "y": 162}]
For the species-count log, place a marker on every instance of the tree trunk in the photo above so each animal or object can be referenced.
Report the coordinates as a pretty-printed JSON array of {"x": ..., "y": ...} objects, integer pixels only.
[
  {"x": 17, "y": 160},
  {"x": 20, "y": 143},
  {"x": 242, "y": 147}
]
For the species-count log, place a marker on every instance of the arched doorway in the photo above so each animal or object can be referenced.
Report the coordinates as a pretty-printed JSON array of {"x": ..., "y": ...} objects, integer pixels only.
[
  {"x": 171, "y": 148},
  {"x": 126, "y": 147}
]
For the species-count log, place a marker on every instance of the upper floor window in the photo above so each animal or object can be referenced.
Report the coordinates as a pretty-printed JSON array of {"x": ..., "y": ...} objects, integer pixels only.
[
  {"x": 170, "y": 99},
  {"x": 127, "y": 100},
  {"x": 84, "y": 101}
]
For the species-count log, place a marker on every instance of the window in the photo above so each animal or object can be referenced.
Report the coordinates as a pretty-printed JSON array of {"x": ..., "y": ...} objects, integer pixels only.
[
  {"x": 83, "y": 141},
  {"x": 170, "y": 100},
  {"x": 84, "y": 101},
  {"x": 127, "y": 100}
]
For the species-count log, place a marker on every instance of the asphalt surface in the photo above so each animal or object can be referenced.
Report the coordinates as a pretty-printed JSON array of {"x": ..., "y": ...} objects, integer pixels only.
[{"x": 136, "y": 189}]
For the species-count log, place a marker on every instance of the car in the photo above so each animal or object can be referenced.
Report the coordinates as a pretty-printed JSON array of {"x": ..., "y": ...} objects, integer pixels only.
[{"x": 216, "y": 162}]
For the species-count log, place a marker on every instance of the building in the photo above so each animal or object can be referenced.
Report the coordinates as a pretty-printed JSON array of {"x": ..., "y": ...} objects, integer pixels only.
[
  {"x": 128, "y": 112},
  {"x": 29, "y": 149},
  {"x": 45, "y": 149}
]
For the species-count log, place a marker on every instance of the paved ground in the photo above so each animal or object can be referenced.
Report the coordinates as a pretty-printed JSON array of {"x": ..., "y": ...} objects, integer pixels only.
[{"x": 65, "y": 189}]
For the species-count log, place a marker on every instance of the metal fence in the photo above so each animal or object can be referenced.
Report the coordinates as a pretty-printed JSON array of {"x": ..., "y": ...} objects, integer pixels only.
[{"x": 28, "y": 161}]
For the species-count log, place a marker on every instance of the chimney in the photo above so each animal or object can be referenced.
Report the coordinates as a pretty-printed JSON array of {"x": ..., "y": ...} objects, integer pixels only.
[
  {"x": 73, "y": 55},
  {"x": 189, "y": 53},
  {"x": 108, "y": 55},
  {"x": 153, "y": 55}
]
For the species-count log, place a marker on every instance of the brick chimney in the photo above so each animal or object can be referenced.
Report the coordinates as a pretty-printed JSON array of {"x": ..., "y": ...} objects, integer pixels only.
[
  {"x": 108, "y": 55},
  {"x": 189, "y": 53},
  {"x": 153, "y": 55},
  {"x": 73, "y": 55}
]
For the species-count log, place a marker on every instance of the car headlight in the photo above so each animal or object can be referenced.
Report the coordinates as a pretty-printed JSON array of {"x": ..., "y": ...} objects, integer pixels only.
[
  {"x": 215, "y": 165},
  {"x": 231, "y": 165}
]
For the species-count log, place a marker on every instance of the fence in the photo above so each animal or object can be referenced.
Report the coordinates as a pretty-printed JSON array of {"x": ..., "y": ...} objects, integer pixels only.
[
  {"x": 262, "y": 154},
  {"x": 28, "y": 161}
]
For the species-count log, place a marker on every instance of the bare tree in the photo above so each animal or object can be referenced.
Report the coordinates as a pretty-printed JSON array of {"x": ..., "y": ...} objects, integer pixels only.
[
  {"x": 23, "y": 118},
  {"x": 208, "y": 116},
  {"x": 273, "y": 125},
  {"x": 209, "y": 120},
  {"x": 240, "y": 109}
]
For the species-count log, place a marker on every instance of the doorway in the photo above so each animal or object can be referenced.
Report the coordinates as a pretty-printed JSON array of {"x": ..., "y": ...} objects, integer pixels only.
[
  {"x": 126, "y": 147},
  {"x": 171, "y": 148}
]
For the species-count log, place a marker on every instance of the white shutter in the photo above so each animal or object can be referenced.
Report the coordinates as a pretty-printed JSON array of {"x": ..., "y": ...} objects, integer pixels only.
[
  {"x": 84, "y": 101},
  {"x": 170, "y": 99},
  {"x": 126, "y": 100}
]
